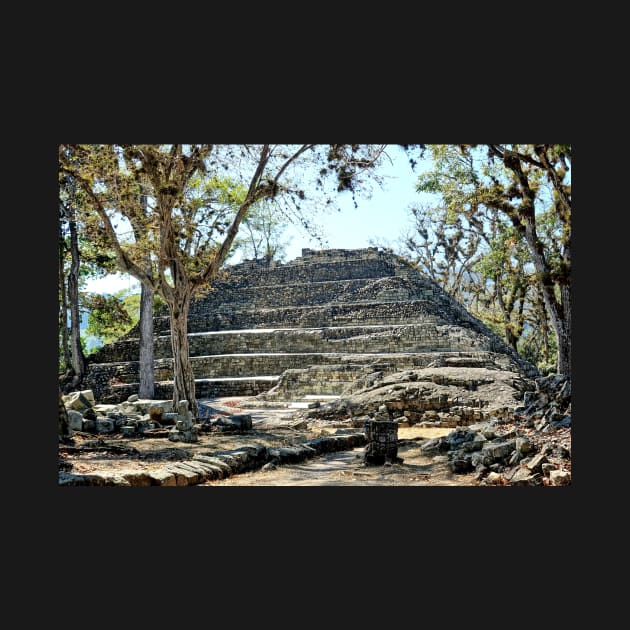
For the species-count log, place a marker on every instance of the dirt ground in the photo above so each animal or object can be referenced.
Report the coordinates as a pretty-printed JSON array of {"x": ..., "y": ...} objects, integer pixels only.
[
  {"x": 346, "y": 469},
  {"x": 115, "y": 453}
]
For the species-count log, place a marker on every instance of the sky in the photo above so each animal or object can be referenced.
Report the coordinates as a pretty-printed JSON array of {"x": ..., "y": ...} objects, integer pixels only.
[{"x": 384, "y": 217}]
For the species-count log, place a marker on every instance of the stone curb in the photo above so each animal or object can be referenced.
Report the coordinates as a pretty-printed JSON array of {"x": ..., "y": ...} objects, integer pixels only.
[{"x": 218, "y": 465}]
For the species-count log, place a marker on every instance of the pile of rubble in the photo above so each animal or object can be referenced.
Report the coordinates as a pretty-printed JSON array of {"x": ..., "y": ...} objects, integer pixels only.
[
  {"x": 148, "y": 418},
  {"x": 531, "y": 447}
]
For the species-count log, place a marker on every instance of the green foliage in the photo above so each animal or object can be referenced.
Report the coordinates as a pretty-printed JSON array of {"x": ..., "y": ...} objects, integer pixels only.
[
  {"x": 531, "y": 347},
  {"x": 108, "y": 316},
  {"x": 475, "y": 241}
]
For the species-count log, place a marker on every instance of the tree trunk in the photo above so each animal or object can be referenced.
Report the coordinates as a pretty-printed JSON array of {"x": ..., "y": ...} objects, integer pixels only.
[
  {"x": 63, "y": 307},
  {"x": 78, "y": 359},
  {"x": 559, "y": 313},
  {"x": 183, "y": 377},
  {"x": 147, "y": 381},
  {"x": 564, "y": 333}
]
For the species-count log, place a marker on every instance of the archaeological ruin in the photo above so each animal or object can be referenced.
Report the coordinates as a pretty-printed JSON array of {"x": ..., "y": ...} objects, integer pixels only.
[
  {"x": 338, "y": 350},
  {"x": 308, "y": 329}
]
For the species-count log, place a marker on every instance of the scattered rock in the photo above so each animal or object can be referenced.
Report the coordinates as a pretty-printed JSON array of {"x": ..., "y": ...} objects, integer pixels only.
[
  {"x": 75, "y": 420},
  {"x": 560, "y": 478},
  {"x": 494, "y": 479},
  {"x": 535, "y": 464}
]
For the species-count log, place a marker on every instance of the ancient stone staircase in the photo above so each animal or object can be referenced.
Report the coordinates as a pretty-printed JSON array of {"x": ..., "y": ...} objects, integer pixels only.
[{"x": 306, "y": 330}]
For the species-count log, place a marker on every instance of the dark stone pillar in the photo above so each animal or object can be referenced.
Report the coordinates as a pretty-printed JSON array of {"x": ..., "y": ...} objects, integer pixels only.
[{"x": 382, "y": 442}]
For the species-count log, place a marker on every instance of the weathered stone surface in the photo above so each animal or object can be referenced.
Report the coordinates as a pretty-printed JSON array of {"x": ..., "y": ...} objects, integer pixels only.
[
  {"x": 236, "y": 422},
  {"x": 133, "y": 398},
  {"x": 162, "y": 478},
  {"x": 382, "y": 440},
  {"x": 499, "y": 450},
  {"x": 559, "y": 478},
  {"x": 138, "y": 478},
  {"x": 89, "y": 426},
  {"x": 563, "y": 423},
  {"x": 177, "y": 435},
  {"x": 105, "y": 425},
  {"x": 217, "y": 462},
  {"x": 90, "y": 414},
  {"x": 461, "y": 464},
  {"x": 183, "y": 475},
  {"x": 75, "y": 420},
  {"x": 79, "y": 401},
  {"x": 195, "y": 468},
  {"x": 494, "y": 478},
  {"x": 535, "y": 464},
  {"x": 523, "y": 477}
]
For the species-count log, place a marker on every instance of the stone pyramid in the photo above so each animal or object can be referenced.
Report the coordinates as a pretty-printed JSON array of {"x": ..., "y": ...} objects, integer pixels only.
[{"x": 308, "y": 329}]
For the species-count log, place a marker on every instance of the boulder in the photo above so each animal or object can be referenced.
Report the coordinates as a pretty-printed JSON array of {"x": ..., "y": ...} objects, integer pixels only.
[
  {"x": 560, "y": 478},
  {"x": 133, "y": 398},
  {"x": 499, "y": 450},
  {"x": 89, "y": 414},
  {"x": 75, "y": 420},
  {"x": 494, "y": 478},
  {"x": 523, "y": 477},
  {"x": 79, "y": 401},
  {"x": 236, "y": 422},
  {"x": 563, "y": 423},
  {"x": 461, "y": 465},
  {"x": 105, "y": 425},
  {"x": 535, "y": 464}
]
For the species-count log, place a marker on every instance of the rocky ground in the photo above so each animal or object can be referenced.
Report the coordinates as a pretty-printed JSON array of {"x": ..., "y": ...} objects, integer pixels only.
[{"x": 456, "y": 427}]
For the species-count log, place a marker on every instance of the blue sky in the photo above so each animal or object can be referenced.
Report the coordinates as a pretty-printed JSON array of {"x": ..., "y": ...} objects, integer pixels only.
[{"x": 383, "y": 217}]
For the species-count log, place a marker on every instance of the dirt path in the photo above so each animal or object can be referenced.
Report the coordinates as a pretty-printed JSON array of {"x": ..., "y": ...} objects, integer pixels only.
[{"x": 346, "y": 469}]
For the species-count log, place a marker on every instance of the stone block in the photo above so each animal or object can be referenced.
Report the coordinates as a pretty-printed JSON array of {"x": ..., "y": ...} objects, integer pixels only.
[
  {"x": 536, "y": 462},
  {"x": 79, "y": 401},
  {"x": 162, "y": 478},
  {"x": 523, "y": 477},
  {"x": 499, "y": 450},
  {"x": 219, "y": 464},
  {"x": 105, "y": 425},
  {"x": 560, "y": 478},
  {"x": 75, "y": 420}
]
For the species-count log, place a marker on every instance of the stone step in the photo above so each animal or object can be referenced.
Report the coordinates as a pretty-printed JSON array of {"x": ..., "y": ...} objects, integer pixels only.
[
  {"x": 344, "y": 314},
  {"x": 317, "y": 267},
  {"x": 386, "y": 288},
  {"x": 204, "y": 388},
  {"x": 410, "y": 337},
  {"x": 249, "y": 365}
]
